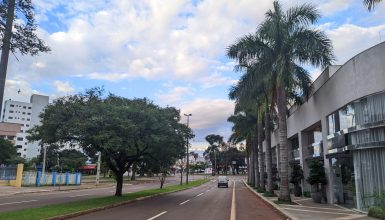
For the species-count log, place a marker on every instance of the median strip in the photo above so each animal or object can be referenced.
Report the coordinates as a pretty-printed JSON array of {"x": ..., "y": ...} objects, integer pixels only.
[{"x": 73, "y": 209}]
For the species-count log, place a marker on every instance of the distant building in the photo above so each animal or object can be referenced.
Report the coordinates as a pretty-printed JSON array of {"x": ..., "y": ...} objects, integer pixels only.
[
  {"x": 27, "y": 115},
  {"x": 8, "y": 131}
]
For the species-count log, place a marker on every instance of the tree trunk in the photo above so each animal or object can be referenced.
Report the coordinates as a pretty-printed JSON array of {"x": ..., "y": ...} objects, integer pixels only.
[
  {"x": 256, "y": 163},
  {"x": 5, "y": 48},
  {"x": 282, "y": 136},
  {"x": 133, "y": 172},
  {"x": 119, "y": 184},
  {"x": 181, "y": 176},
  {"x": 162, "y": 179},
  {"x": 251, "y": 159},
  {"x": 268, "y": 154},
  {"x": 261, "y": 158}
]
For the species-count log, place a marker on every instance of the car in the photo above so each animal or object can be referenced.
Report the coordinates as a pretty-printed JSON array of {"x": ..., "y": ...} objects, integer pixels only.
[{"x": 223, "y": 181}]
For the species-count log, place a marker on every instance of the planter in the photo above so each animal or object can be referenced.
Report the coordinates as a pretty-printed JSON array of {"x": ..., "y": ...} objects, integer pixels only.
[
  {"x": 297, "y": 191},
  {"x": 316, "y": 196}
]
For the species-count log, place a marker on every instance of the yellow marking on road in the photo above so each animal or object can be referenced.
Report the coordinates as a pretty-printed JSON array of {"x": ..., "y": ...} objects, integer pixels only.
[{"x": 233, "y": 205}]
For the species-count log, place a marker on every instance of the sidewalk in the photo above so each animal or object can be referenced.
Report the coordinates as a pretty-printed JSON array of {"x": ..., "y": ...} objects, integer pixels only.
[{"x": 307, "y": 209}]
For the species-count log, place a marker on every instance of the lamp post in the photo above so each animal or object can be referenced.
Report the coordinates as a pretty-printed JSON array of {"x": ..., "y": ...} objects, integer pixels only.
[
  {"x": 187, "y": 156},
  {"x": 98, "y": 169}
]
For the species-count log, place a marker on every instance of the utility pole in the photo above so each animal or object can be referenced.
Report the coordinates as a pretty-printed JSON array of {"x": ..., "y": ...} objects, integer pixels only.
[
  {"x": 187, "y": 153},
  {"x": 44, "y": 156},
  {"x": 98, "y": 169}
]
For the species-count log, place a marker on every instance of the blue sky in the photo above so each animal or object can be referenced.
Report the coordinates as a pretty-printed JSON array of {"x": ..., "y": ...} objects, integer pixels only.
[{"x": 171, "y": 51}]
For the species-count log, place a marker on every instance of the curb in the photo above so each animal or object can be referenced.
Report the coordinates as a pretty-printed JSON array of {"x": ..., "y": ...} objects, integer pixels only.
[
  {"x": 76, "y": 214},
  {"x": 272, "y": 204}
]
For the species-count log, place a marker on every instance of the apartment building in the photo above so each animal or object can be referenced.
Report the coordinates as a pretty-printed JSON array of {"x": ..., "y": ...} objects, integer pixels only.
[
  {"x": 343, "y": 126},
  {"x": 27, "y": 115}
]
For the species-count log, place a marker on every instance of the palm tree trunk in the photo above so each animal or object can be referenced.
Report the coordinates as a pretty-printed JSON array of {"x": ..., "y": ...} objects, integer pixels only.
[
  {"x": 256, "y": 164},
  {"x": 282, "y": 136},
  {"x": 260, "y": 153},
  {"x": 6, "y": 45},
  {"x": 252, "y": 173},
  {"x": 268, "y": 154}
]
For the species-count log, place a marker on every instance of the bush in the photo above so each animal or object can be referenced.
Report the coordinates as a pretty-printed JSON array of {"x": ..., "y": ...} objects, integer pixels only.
[
  {"x": 269, "y": 194},
  {"x": 260, "y": 190},
  {"x": 377, "y": 212},
  {"x": 306, "y": 194}
]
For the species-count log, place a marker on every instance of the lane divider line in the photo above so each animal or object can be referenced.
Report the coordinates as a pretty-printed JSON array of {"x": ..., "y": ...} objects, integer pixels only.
[
  {"x": 184, "y": 202},
  {"x": 156, "y": 216},
  {"x": 80, "y": 195},
  {"x": 199, "y": 194},
  {"x": 10, "y": 203},
  {"x": 233, "y": 215}
]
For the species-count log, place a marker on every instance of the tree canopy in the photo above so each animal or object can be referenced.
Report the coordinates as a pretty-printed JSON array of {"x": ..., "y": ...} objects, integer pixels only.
[
  {"x": 8, "y": 152},
  {"x": 123, "y": 130}
]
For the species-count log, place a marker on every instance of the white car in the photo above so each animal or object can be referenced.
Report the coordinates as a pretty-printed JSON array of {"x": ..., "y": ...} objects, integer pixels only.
[{"x": 223, "y": 181}]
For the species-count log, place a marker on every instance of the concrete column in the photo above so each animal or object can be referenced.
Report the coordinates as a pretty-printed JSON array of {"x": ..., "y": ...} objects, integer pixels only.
[{"x": 327, "y": 164}]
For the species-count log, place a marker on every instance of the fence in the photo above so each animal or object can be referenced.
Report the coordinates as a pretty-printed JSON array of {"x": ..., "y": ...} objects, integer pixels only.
[
  {"x": 8, "y": 172},
  {"x": 51, "y": 179}
]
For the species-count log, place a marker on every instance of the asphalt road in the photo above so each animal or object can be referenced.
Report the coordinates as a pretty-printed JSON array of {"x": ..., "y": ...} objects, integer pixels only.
[
  {"x": 204, "y": 202},
  {"x": 30, "y": 200}
]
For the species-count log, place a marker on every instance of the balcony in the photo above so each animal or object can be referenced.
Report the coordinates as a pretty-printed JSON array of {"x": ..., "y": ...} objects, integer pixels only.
[
  {"x": 315, "y": 150},
  {"x": 295, "y": 154}
]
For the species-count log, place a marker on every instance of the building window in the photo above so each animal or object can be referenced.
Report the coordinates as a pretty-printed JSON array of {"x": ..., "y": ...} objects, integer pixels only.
[
  {"x": 19, "y": 138},
  {"x": 29, "y": 107},
  {"x": 25, "y": 149},
  {"x": 23, "y": 113},
  {"x": 27, "y": 125},
  {"x": 12, "y": 105},
  {"x": 10, "y": 117},
  {"x": 28, "y": 119},
  {"x": 347, "y": 117},
  {"x": 19, "y": 146},
  {"x": 24, "y": 107},
  {"x": 28, "y": 113},
  {"x": 10, "y": 111}
]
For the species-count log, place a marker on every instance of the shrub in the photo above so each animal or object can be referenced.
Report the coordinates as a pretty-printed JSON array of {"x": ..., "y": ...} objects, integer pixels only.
[
  {"x": 377, "y": 212},
  {"x": 307, "y": 194}
]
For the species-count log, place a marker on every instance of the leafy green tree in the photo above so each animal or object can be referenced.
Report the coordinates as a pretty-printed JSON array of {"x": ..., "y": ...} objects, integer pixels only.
[
  {"x": 371, "y": 3},
  {"x": 17, "y": 36},
  {"x": 71, "y": 159},
  {"x": 215, "y": 142},
  {"x": 8, "y": 152},
  {"x": 284, "y": 41},
  {"x": 123, "y": 130}
]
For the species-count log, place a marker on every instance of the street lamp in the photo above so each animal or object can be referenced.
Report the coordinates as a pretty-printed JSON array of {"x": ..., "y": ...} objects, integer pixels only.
[{"x": 187, "y": 156}]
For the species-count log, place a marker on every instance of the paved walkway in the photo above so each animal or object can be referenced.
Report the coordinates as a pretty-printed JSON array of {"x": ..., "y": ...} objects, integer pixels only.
[{"x": 307, "y": 209}]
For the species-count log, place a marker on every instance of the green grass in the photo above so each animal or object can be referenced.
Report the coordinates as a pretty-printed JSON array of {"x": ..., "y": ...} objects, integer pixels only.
[
  {"x": 269, "y": 194},
  {"x": 282, "y": 202},
  {"x": 67, "y": 208}
]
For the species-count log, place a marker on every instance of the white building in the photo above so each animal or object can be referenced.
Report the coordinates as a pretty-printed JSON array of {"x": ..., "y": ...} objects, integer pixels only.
[{"x": 26, "y": 114}]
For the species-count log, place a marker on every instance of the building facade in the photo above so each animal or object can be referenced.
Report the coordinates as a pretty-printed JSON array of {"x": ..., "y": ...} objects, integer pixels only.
[
  {"x": 342, "y": 125},
  {"x": 8, "y": 131},
  {"x": 27, "y": 115}
]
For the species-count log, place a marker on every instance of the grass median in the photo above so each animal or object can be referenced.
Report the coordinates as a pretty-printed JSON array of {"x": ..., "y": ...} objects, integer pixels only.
[{"x": 50, "y": 211}]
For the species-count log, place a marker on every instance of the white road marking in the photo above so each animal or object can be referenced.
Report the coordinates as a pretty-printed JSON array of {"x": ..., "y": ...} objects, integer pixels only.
[
  {"x": 79, "y": 195},
  {"x": 184, "y": 202},
  {"x": 156, "y": 216},
  {"x": 208, "y": 190},
  {"x": 233, "y": 204},
  {"x": 199, "y": 194},
  {"x": 10, "y": 203}
]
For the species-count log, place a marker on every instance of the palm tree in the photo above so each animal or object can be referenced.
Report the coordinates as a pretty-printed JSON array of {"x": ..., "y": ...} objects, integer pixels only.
[
  {"x": 284, "y": 41},
  {"x": 371, "y": 3}
]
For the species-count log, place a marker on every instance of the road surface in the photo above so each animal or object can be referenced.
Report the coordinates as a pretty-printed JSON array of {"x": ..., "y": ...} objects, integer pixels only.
[
  {"x": 204, "y": 202},
  {"x": 30, "y": 200}
]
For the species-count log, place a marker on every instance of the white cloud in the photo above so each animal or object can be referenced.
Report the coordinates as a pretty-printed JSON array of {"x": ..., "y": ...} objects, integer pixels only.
[
  {"x": 349, "y": 40},
  {"x": 174, "y": 95},
  {"x": 63, "y": 87},
  {"x": 215, "y": 80},
  {"x": 207, "y": 113}
]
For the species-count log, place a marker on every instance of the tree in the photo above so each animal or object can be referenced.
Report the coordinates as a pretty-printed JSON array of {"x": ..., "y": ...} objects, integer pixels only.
[
  {"x": 283, "y": 42},
  {"x": 17, "y": 30},
  {"x": 71, "y": 159},
  {"x": 123, "y": 130},
  {"x": 215, "y": 141},
  {"x": 371, "y": 3},
  {"x": 8, "y": 152}
]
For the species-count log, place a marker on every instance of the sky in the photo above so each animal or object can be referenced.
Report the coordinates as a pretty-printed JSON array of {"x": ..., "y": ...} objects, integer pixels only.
[{"x": 170, "y": 51}]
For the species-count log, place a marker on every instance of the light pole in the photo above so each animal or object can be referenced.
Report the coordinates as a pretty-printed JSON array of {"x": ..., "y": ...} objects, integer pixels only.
[
  {"x": 98, "y": 169},
  {"x": 44, "y": 158},
  {"x": 187, "y": 156}
]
